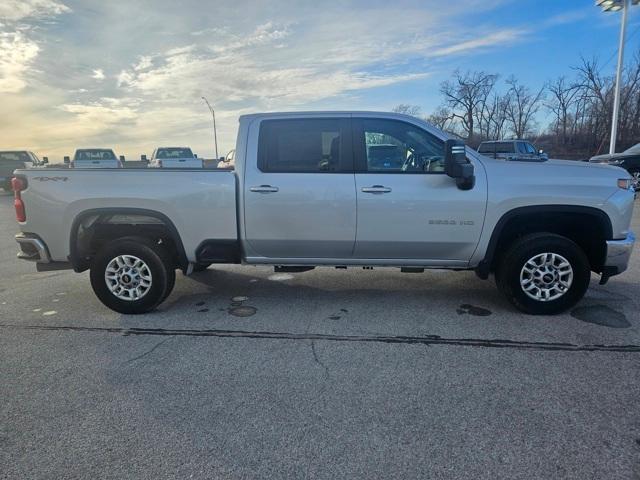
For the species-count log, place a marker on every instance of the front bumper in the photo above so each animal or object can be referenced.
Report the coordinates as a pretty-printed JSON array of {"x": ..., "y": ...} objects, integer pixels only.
[{"x": 618, "y": 254}]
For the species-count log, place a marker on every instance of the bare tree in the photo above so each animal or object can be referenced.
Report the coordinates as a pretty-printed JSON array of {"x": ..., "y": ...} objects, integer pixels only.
[
  {"x": 522, "y": 107},
  {"x": 563, "y": 96},
  {"x": 441, "y": 118},
  {"x": 475, "y": 107},
  {"x": 407, "y": 109},
  {"x": 466, "y": 95},
  {"x": 495, "y": 117}
]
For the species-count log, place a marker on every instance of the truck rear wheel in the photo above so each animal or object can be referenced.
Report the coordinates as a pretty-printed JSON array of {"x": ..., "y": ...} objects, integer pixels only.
[
  {"x": 543, "y": 274},
  {"x": 132, "y": 275}
]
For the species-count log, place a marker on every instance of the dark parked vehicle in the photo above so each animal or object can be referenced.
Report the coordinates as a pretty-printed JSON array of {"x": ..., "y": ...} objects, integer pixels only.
[
  {"x": 629, "y": 160},
  {"x": 12, "y": 160},
  {"x": 520, "y": 150}
]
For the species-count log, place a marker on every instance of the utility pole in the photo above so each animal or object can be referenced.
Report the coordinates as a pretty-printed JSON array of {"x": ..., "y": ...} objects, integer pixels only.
[
  {"x": 215, "y": 134},
  {"x": 616, "y": 95},
  {"x": 614, "y": 6}
]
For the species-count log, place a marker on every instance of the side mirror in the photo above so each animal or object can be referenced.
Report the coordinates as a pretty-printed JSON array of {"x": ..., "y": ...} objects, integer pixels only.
[
  {"x": 45, "y": 160},
  {"x": 456, "y": 164},
  {"x": 195, "y": 155},
  {"x": 223, "y": 159},
  {"x": 122, "y": 158},
  {"x": 67, "y": 159}
]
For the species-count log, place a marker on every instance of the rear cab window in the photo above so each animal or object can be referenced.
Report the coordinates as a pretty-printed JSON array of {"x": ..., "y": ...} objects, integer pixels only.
[
  {"x": 169, "y": 153},
  {"x": 314, "y": 145},
  {"x": 95, "y": 155}
]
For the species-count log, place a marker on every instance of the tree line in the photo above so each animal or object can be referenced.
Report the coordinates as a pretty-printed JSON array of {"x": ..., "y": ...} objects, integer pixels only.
[{"x": 477, "y": 106}]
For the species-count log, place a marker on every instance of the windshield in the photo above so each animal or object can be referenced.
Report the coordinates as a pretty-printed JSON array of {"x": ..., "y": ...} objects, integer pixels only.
[
  {"x": 168, "y": 153},
  {"x": 95, "y": 155},
  {"x": 14, "y": 157},
  {"x": 634, "y": 149}
]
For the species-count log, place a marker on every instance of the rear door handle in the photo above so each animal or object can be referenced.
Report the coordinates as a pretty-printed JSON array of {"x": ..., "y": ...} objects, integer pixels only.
[
  {"x": 264, "y": 189},
  {"x": 376, "y": 189}
]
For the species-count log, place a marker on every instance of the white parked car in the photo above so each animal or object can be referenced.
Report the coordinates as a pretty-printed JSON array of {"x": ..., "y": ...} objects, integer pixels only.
[
  {"x": 95, "y": 158},
  {"x": 174, "y": 157}
]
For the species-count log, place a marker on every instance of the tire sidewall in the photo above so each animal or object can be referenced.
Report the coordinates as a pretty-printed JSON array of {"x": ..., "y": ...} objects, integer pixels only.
[
  {"x": 517, "y": 257},
  {"x": 147, "y": 254}
]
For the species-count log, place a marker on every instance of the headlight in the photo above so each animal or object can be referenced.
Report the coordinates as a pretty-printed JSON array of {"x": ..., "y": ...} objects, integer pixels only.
[{"x": 615, "y": 162}]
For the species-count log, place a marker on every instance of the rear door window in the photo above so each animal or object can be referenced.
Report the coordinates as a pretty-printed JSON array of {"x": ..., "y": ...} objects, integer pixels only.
[
  {"x": 318, "y": 145},
  {"x": 504, "y": 147}
]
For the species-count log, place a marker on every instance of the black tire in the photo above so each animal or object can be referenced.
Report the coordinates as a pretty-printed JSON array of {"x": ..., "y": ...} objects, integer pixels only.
[
  {"x": 200, "y": 267},
  {"x": 158, "y": 262},
  {"x": 510, "y": 266},
  {"x": 171, "y": 282}
]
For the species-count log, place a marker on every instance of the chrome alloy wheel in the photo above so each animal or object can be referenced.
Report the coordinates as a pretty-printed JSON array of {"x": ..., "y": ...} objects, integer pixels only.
[
  {"x": 128, "y": 277},
  {"x": 546, "y": 277},
  {"x": 635, "y": 180}
]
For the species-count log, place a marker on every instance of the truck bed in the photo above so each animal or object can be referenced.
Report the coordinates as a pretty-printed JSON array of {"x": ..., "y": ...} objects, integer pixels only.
[{"x": 201, "y": 204}]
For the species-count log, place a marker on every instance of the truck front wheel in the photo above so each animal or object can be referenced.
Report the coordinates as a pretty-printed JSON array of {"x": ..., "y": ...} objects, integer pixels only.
[
  {"x": 132, "y": 275},
  {"x": 543, "y": 274}
]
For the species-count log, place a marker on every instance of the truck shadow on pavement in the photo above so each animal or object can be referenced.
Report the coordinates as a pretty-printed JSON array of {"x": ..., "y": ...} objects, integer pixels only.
[{"x": 367, "y": 303}]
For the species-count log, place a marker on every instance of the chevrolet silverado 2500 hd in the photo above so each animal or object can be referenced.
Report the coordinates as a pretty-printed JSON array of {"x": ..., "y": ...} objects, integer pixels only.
[{"x": 334, "y": 189}]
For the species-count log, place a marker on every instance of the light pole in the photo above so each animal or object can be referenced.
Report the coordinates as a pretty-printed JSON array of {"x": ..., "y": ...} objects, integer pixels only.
[
  {"x": 614, "y": 6},
  {"x": 215, "y": 135}
]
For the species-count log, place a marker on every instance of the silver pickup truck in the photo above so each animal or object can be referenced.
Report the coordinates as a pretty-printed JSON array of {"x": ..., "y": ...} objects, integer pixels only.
[{"x": 334, "y": 189}]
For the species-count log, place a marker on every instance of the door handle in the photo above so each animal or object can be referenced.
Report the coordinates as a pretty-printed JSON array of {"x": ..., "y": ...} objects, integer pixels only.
[
  {"x": 264, "y": 189},
  {"x": 376, "y": 189}
]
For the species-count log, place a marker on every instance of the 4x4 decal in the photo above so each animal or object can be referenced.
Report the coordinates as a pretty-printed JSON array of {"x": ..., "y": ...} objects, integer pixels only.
[{"x": 51, "y": 179}]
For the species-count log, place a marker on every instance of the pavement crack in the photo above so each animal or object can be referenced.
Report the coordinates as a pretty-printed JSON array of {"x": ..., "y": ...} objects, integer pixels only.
[
  {"x": 151, "y": 350},
  {"x": 408, "y": 340},
  {"x": 317, "y": 359}
]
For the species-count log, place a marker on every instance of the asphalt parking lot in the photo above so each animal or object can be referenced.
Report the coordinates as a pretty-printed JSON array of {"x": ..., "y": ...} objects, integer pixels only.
[{"x": 323, "y": 374}]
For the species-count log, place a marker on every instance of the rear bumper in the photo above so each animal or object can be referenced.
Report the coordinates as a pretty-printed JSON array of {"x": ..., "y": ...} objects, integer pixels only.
[
  {"x": 32, "y": 248},
  {"x": 618, "y": 254}
]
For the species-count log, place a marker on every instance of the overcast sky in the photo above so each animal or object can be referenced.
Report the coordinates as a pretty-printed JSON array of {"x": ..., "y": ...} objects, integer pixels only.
[{"x": 130, "y": 74}]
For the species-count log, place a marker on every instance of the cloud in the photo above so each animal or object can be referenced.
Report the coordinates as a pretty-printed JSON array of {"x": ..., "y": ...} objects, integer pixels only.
[
  {"x": 244, "y": 68},
  {"x": 490, "y": 40},
  {"x": 569, "y": 16},
  {"x": 17, "y": 50},
  {"x": 98, "y": 74},
  {"x": 16, "y": 10},
  {"x": 16, "y": 56},
  {"x": 276, "y": 55}
]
